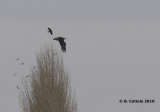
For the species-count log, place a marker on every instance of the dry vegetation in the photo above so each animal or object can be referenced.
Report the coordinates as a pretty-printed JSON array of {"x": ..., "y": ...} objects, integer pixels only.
[{"x": 48, "y": 88}]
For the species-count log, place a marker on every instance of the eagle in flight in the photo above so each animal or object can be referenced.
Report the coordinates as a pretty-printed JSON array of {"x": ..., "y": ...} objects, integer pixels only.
[
  {"x": 50, "y": 31},
  {"x": 62, "y": 43}
]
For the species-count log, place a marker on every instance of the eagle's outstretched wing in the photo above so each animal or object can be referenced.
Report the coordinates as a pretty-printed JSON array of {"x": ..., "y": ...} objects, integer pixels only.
[{"x": 62, "y": 43}]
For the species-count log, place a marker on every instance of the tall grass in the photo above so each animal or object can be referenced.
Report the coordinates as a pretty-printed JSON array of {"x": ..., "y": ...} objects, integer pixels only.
[{"x": 48, "y": 87}]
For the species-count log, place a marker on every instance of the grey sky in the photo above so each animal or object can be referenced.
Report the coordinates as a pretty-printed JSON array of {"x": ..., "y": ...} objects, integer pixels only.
[
  {"x": 80, "y": 10},
  {"x": 112, "y": 49}
]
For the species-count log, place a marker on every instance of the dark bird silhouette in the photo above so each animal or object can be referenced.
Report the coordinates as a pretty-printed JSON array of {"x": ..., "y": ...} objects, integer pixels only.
[
  {"x": 62, "y": 43},
  {"x": 18, "y": 87},
  {"x": 17, "y": 58},
  {"x": 50, "y": 31},
  {"x": 27, "y": 76}
]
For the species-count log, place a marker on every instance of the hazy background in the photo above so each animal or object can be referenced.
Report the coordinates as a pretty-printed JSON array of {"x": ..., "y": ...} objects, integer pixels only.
[{"x": 112, "y": 49}]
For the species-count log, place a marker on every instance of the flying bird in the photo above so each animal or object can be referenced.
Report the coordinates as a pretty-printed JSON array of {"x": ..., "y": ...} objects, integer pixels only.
[
  {"x": 62, "y": 43},
  {"x": 50, "y": 31},
  {"x": 27, "y": 76},
  {"x": 18, "y": 87},
  {"x": 17, "y": 58}
]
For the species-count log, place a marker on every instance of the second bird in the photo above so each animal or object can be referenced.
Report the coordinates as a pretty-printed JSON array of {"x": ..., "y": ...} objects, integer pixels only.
[{"x": 50, "y": 31}]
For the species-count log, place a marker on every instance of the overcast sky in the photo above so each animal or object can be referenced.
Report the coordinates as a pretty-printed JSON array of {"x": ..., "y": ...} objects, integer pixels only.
[{"x": 112, "y": 49}]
